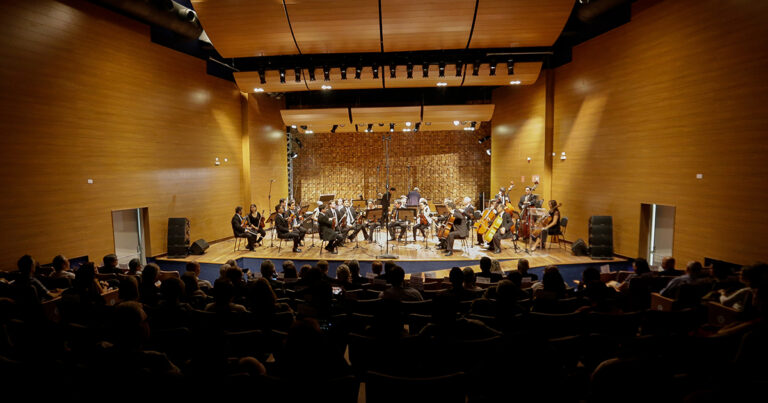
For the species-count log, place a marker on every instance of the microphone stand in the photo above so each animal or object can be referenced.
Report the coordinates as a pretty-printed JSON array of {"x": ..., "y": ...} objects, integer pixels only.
[
  {"x": 269, "y": 203},
  {"x": 385, "y": 138}
]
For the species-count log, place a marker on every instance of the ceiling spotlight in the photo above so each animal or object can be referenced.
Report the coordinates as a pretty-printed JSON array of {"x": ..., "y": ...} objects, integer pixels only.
[
  {"x": 468, "y": 129},
  {"x": 326, "y": 73},
  {"x": 417, "y": 127},
  {"x": 409, "y": 70},
  {"x": 427, "y": 123},
  {"x": 381, "y": 124},
  {"x": 459, "y": 66},
  {"x": 515, "y": 82},
  {"x": 303, "y": 127},
  {"x": 483, "y": 140},
  {"x": 293, "y": 126},
  {"x": 326, "y": 87},
  {"x": 309, "y": 132},
  {"x": 492, "y": 65},
  {"x": 293, "y": 155},
  {"x": 510, "y": 67},
  {"x": 488, "y": 151},
  {"x": 298, "y": 143},
  {"x": 375, "y": 71},
  {"x": 391, "y": 127},
  {"x": 262, "y": 78},
  {"x": 343, "y": 72},
  {"x": 258, "y": 90},
  {"x": 312, "y": 74},
  {"x": 282, "y": 76},
  {"x": 476, "y": 68},
  {"x": 297, "y": 74},
  {"x": 408, "y": 124},
  {"x": 333, "y": 129},
  {"x": 441, "y": 69},
  {"x": 442, "y": 84},
  {"x": 456, "y": 123},
  {"x": 358, "y": 70},
  {"x": 425, "y": 70},
  {"x": 474, "y": 125},
  {"x": 392, "y": 70},
  {"x": 370, "y": 127}
]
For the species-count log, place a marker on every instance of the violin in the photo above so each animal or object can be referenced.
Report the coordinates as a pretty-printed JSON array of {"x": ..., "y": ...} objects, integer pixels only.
[{"x": 423, "y": 218}]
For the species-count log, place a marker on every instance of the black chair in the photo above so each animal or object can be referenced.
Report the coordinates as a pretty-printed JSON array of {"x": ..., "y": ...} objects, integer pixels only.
[{"x": 387, "y": 388}]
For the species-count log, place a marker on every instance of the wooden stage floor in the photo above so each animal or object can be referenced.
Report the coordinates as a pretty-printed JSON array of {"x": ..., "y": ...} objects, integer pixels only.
[{"x": 220, "y": 252}]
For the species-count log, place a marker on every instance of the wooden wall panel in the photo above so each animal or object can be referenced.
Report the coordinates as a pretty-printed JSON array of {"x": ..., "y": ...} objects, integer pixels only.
[
  {"x": 84, "y": 95},
  {"x": 442, "y": 164},
  {"x": 268, "y": 151},
  {"x": 642, "y": 109},
  {"x": 518, "y": 133}
]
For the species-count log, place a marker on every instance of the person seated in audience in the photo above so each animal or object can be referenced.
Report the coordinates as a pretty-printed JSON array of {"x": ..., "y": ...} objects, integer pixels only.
[
  {"x": 724, "y": 279},
  {"x": 551, "y": 289},
  {"x": 289, "y": 270},
  {"x": 398, "y": 291},
  {"x": 317, "y": 292},
  {"x": 496, "y": 271},
  {"x": 457, "y": 290},
  {"x": 194, "y": 268},
  {"x": 640, "y": 269},
  {"x": 668, "y": 267},
  {"x": 127, "y": 358},
  {"x": 508, "y": 295},
  {"x": 27, "y": 289},
  {"x": 172, "y": 311},
  {"x": 233, "y": 263},
  {"x": 344, "y": 278},
  {"x": 308, "y": 355},
  {"x": 354, "y": 271},
  {"x": 86, "y": 289},
  {"x": 269, "y": 273},
  {"x": 61, "y": 268},
  {"x": 193, "y": 295},
  {"x": 235, "y": 277},
  {"x": 223, "y": 271},
  {"x": 694, "y": 275},
  {"x": 523, "y": 267},
  {"x": 134, "y": 267},
  {"x": 599, "y": 296},
  {"x": 469, "y": 281},
  {"x": 388, "y": 266},
  {"x": 388, "y": 322},
  {"x": 446, "y": 326},
  {"x": 324, "y": 267},
  {"x": 223, "y": 293},
  {"x": 304, "y": 270},
  {"x": 485, "y": 270},
  {"x": 376, "y": 267},
  {"x": 262, "y": 301},
  {"x": 110, "y": 265},
  {"x": 128, "y": 290},
  {"x": 742, "y": 299},
  {"x": 149, "y": 293}
]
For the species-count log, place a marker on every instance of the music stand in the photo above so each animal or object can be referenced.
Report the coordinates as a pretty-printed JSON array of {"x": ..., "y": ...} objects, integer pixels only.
[
  {"x": 359, "y": 204},
  {"x": 374, "y": 215},
  {"x": 534, "y": 223},
  {"x": 407, "y": 214},
  {"x": 327, "y": 197}
]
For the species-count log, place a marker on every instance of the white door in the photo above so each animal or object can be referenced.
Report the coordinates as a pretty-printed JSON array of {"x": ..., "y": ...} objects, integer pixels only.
[
  {"x": 128, "y": 232},
  {"x": 662, "y": 231}
]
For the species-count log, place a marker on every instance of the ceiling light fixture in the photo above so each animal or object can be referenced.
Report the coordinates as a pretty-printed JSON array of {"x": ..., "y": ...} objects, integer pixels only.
[
  {"x": 409, "y": 70},
  {"x": 459, "y": 66},
  {"x": 442, "y": 84},
  {"x": 476, "y": 68},
  {"x": 282, "y": 76},
  {"x": 309, "y": 132},
  {"x": 262, "y": 78},
  {"x": 492, "y": 66},
  {"x": 375, "y": 71},
  {"x": 293, "y": 126},
  {"x": 408, "y": 124},
  {"x": 391, "y": 127},
  {"x": 326, "y": 73},
  {"x": 456, "y": 123},
  {"x": 515, "y": 82},
  {"x": 510, "y": 67},
  {"x": 392, "y": 70},
  {"x": 425, "y": 70},
  {"x": 474, "y": 125},
  {"x": 326, "y": 87},
  {"x": 488, "y": 151},
  {"x": 258, "y": 89},
  {"x": 297, "y": 74},
  {"x": 441, "y": 69},
  {"x": 370, "y": 127}
]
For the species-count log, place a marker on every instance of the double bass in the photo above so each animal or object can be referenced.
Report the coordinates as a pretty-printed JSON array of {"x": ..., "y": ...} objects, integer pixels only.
[{"x": 525, "y": 225}]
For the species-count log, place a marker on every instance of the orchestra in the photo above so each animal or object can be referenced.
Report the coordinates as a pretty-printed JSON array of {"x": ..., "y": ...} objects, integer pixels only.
[{"x": 338, "y": 221}]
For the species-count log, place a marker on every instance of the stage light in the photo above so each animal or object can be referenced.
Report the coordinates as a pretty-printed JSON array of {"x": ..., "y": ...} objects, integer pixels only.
[
  {"x": 474, "y": 125},
  {"x": 392, "y": 70},
  {"x": 298, "y": 143},
  {"x": 391, "y": 127},
  {"x": 293, "y": 126},
  {"x": 333, "y": 129},
  {"x": 409, "y": 70},
  {"x": 425, "y": 70},
  {"x": 456, "y": 123},
  {"x": 488, "y": 151},
  {"x": 326, "y": 73},
  {"x": 459, "y": 66},
  {"x": 370, "y": 127},
  {"x": 309, "y": 132},
  {"x": 476, "y": 68},
  {"x": 375, "y": 71},
  {"x": 343, "y": 72},
  {"x": 258, "y": 89},
  {"x": 297, "y": 74},
  {"x": 293, "y": 155},
  {"x": 442, "y": 84},
  {"x": 417, "y": 127},
  {"x": 510, "y": 67},
  {"x": 262, "y": 79},
  {"x": 515, "y": 82},
  {"x": 492, "y": 66},
  {"x": 326, "y": 87},
  {"x": 441, "y": 69},
  {"x": 312, "y": 73},
  {"x": 358, "y": 71},
  {"x": 282, "y": 76},
  {"x": 408, "y": 124}
]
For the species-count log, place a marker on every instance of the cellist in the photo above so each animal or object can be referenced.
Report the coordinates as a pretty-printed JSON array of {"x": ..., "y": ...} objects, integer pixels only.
[
  {"x": 492, "y": 206},
  {"x": 423, "y": 220},
  {"x": 504, "y": 232},
  {"x": 459, "y": 230},
  {"x": 553, "y": 228}
]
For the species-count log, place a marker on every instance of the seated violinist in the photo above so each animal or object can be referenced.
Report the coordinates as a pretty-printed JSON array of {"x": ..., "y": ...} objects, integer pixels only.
[
  {"x": 327, "y": 231},
  {"x": 352, "y": 216},
  {"x": 423, "y": 221},
  {"x": 239, "y": 224},
  {"x": 396, "y": 222},
  {"x": 293, "y": 215},
  {"x": 553, "y": 228}
]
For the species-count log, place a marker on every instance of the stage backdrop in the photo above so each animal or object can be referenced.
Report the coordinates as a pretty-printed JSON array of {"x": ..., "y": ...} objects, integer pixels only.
[{"x": 442, "y": 164}]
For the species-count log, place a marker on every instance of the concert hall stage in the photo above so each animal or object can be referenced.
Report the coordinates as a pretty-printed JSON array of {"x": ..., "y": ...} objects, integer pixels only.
[{"x": 413, "y": 257}]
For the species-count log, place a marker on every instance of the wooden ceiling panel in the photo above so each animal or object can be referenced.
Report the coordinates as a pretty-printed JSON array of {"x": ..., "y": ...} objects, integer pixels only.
[
  {"x": 326, "y": 116},
  {"x": 525, "y": 72},
  {"x": 449, "y": 113},
  {"x": 246, "y": 28},
  {"x": 519, "y": 23},
  {"x": 402, "y": 81},
  {"x": 409, "y": 25},
  {"x": 248, "y": 81},
  {"x": 335, "y": 26},
  {"x": 363, "y": 116},
  {"x": 366, "y": 80}
]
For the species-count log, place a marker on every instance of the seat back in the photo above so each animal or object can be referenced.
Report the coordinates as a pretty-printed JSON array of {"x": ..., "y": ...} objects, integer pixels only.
[{"x": 387, "y": 388}]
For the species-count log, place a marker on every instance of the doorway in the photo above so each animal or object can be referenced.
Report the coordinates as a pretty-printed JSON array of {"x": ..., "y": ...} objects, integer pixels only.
[
  {"x": 657, "y": 228},
  {"x": 129, "y": 228}
]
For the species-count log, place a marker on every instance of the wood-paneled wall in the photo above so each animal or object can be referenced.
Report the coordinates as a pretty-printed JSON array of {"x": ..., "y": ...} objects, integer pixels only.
[
  {"x": 442, "y": 164},
  {"x": 680, "y": 90},
  {"x": 85, "y": 95},
  {"x": 268, "y": 154},
  {"x": 518, "y": 133}
]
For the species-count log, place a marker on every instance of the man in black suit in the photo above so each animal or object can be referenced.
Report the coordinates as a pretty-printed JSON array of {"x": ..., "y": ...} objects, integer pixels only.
[
  {"x": 353, "y": 225},
  {"x": 237, "y": 228},
  {"x": 458, "y": 230},
  {"x": 527, "y": 200},
  {"x": 327, "y": 232},
  {"x": 385, "y": 200},
  {"x": 504, "y": 232},
  {"x": 396, "y": 222},
  {"x": 284, "y": 230},
  {"x": 296, "y": 222}
]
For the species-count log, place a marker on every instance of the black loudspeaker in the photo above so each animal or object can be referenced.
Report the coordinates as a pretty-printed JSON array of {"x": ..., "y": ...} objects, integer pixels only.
[
  {"x": 198, "y": 247},
  {"x": 178, "y": 237},
  {"x": 579, "y": 248},
  {"x": 601, "y": 237}
]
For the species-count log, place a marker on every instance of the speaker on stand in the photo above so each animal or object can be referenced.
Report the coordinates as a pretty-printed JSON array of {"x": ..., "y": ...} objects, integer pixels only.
[
  {"x": 601, "y": 237},
  {"x": 178, "y": 237}
]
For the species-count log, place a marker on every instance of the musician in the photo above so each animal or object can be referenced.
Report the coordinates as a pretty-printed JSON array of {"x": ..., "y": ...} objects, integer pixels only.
[
  {"x": 282, "y": 203},
  {"x": 327, "y": 231},
  {"x": 333, "y": 213},
  {"x": 371, "y": 225},
  {"x": 351, "y": 216},
  {"x": 284, "y": 229},
  {"x": 344, "y": 225},
  {"x": 254, "y": 219},
  {"x": 424, "y": 207},
  {"x": 492, "y": 206},
  {"x": 527, "y": 200},
  {"x": 553, "y": 228},
  {"x": 469, "y": 210},
  {"x": 459, "y": 230},
  {"x": 397, "y": 222},
  {"x": 295, "y": 223},
  {"x": 238, "y": 228},
  {"x": 413, "y": 197},
  {"x": 502, "y": 195},
  {"x": 385, "y": 200},
  {"x": 506, "y": 230}
]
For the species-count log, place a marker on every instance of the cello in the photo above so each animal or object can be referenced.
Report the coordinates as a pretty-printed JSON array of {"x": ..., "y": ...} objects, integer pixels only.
[
  {"x": 445, "y": 229},
  {"x": 495, "y": 225}
]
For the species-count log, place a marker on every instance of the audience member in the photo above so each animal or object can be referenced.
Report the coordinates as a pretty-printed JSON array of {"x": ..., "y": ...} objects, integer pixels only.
[
  {"x": 149, "y": 293},
  {"x": 398, "y": 291},
  {"x": 469, "y": 281},
  {"x": 194, "y": 268},
  {"x": 111, "y": 265},
  {"x": 523, "y": 267},
  {"x": 668, "y": 267},
  {"x": 694, "y": 274},
  {"x": 354, "y": 271},
  {"x": 128, "y": 290},
  {"x": 485, "y": 270},
  {"x": 223, "y": 293},
  {"x": 27, "y": 289},
  {"x": 446, "y": 326},
  {"x": 376, "y": 268},
  {"x": 261, "y": 299},
  {"x": 134, "y": 267},
  {"x": 640, "y": 269},
  {"x": 61, "y": 268}
]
